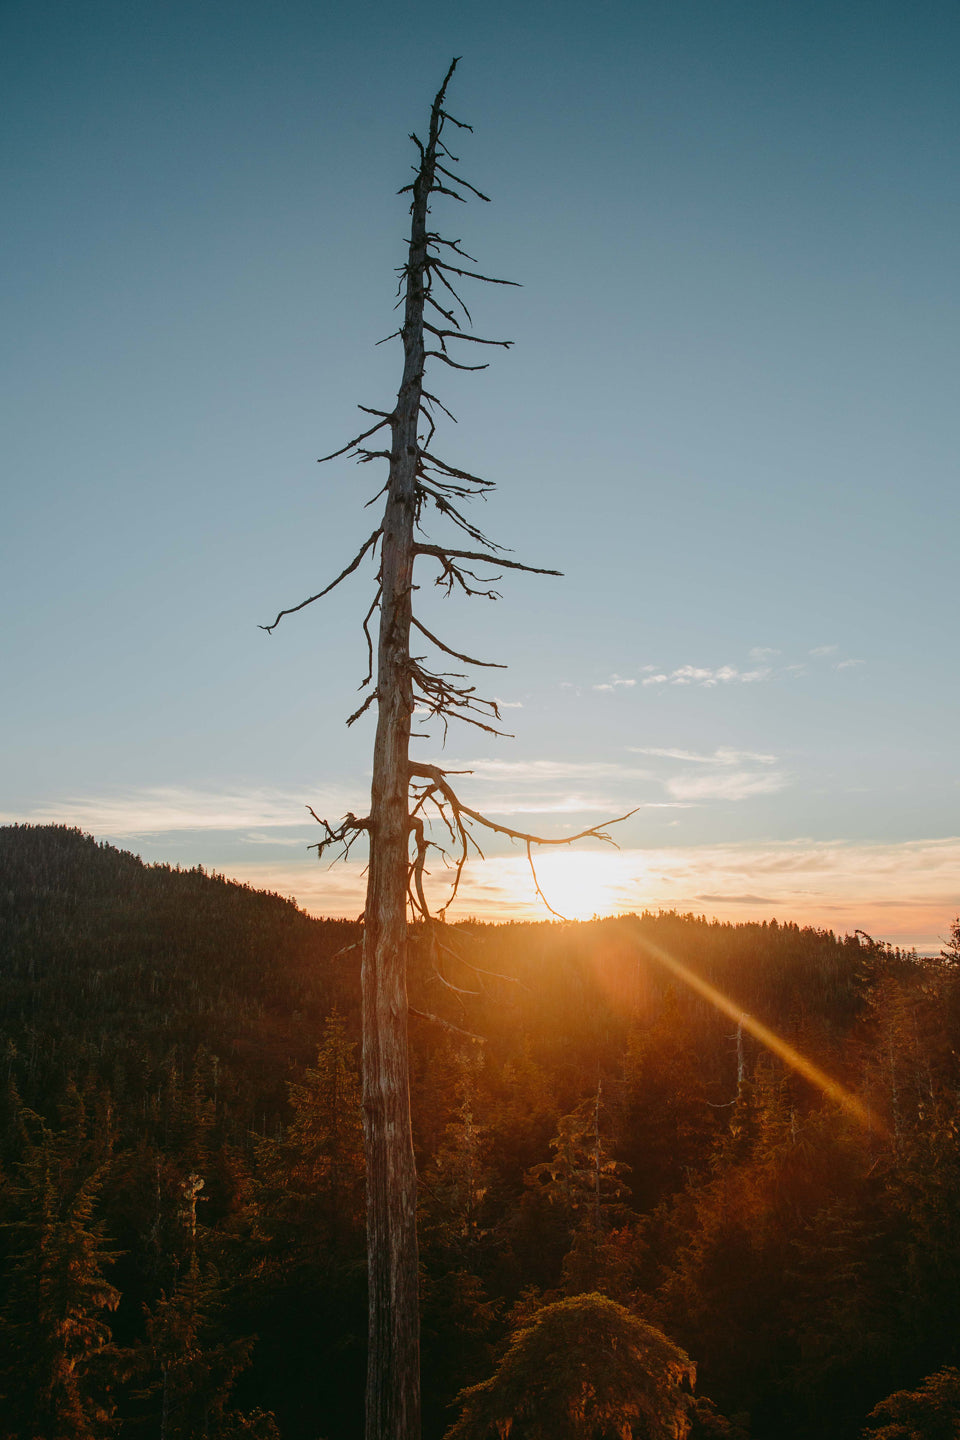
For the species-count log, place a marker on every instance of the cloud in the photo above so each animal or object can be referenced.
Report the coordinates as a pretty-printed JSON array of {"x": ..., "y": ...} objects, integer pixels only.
[
  {"x": 737, "y": 900},
  {"x": 548, "y": 769},
  {"x": 906, "y": 892},
  {"x": 727, "y": 777},
  {"x": 729, "y": 785},
  {"x": 706, "y": 677},
  {"x": 615, "y": 682},
  {"x": 575, "y": 802},
  {"x": 722, "y": 756},
  {"x": 258, "y": 815},
  {"x": 154, "y": 810},
  {"x": 549, "y": 787}
]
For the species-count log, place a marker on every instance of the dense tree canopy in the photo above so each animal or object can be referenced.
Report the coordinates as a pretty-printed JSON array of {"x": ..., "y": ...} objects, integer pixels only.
[{"x": 181, "y": 1218}]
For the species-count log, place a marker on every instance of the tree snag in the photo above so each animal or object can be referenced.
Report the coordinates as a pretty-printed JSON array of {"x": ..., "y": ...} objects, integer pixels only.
[{"x": 406, "y": 796}]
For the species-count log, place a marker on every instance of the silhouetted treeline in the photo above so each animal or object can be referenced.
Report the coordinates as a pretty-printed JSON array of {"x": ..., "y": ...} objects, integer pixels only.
[{"x": 181, "y": 1168}]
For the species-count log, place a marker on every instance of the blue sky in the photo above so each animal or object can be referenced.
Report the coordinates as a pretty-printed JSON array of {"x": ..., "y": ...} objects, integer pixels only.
[{"x": 730, "y": 418}]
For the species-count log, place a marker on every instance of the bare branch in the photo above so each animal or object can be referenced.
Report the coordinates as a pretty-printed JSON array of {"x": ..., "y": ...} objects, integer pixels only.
[
  {"x": 459, "y": 335},
  {"x": 439, "y": 464},
  {"x": 438, "y": 777},
  {"x": 447, "y": 314},
  {"x": 446, "y": 507},
  {"x": 454, "y": 574},
  {"x": 491, "y": 974},
  {"x": 348, "y": 949},
  {"x": 439, "y": 553},
  {"x": 434, "y": 239},
  {"x": 345, "y": 834},
  {"x": 354, "y": 443},
  {"x": 365, "y": 706},
  {"x": 456, "y": 295},
  {"x": 332, "y": 586},
  {"x": 418, "y": 899},
  {"x": 465, "y": 183},
  {"x": 536, "y": 884},
  {"x": 454, "y": 364},
  {"x": 432, "y": 400},
  {"x": 474, "y": 275},
  {"x": 369, "y": 639},
  {"x": 461, "y": 124},
  {"x": 467, "y": 659},
  {"x": 437, "y": 189},
  {"x": 445, "y": 1024},
  {"x": 457, "y": 989}
]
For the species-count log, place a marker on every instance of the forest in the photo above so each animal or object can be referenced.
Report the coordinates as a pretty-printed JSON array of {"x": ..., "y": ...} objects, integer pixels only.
[{"x": 615, "y": 1172}]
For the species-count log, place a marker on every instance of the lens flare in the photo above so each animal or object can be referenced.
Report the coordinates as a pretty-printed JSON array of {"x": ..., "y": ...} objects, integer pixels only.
[{"x": 774, "y": 1042}]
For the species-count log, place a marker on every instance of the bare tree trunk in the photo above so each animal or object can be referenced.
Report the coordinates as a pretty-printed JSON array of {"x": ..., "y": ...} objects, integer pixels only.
[
  {"x": 393, "y": 1374},
  {"x": 407, "y": 797}
]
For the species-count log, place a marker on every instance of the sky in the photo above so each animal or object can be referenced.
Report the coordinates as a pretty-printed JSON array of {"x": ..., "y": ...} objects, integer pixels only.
[{"x": 729, "y": 417}]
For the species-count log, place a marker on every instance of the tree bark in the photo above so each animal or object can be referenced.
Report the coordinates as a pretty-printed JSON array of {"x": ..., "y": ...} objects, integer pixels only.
[
  {"x": 406, "y": 798},
  {"x": 393, "y": 1366}
]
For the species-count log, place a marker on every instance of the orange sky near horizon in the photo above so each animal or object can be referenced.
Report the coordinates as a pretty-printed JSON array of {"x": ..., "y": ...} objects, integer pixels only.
[{"x": 907, "y": 894}]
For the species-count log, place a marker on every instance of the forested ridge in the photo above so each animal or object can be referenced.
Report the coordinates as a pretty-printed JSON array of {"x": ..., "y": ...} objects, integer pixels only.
[{"x": 181, "y": 1165}]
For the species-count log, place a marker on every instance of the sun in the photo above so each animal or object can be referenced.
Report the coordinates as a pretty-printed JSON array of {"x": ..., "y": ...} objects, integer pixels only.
[{"x": 579, "y": 884}]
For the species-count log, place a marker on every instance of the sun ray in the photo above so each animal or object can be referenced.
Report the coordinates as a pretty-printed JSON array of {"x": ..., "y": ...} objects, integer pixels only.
[{"x": 782, "y": 1048}]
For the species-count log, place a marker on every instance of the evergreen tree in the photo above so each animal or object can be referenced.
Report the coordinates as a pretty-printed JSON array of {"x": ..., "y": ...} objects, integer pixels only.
[
  {"x": 311, "y": 1177},
  {"x": 583, "y": 1369},
  {"x": 931, "y": 1411},
  {"x": 57, "y": 1348}
]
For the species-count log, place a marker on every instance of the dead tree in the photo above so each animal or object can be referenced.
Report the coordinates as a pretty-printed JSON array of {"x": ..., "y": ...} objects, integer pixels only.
[{"x": 410, "y": 802}]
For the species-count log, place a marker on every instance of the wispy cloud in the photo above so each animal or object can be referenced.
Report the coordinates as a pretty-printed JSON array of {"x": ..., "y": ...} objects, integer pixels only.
[
  {"x": 706, "y": 677},
  {"x": 536, "y": 770},
  {"x": 550, "y": 787},
  {"x": 559, "y": 786},
  {"x": 616, "y": 682},
  {"x": 154, "y": 810},
  {"x": 726, "y": 785},
  {"x": 738, "y": 899},
  {"x": 905, "y": 892},
  {"x": 721, "y": 756},
  {"x": 721, "y": 774},
  {"x": 259, "y": 815}
]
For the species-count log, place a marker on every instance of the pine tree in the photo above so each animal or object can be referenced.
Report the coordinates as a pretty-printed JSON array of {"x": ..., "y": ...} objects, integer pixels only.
[
  {"x": 57, "y": 1345},
  {"x": 315, "y": 1169},
  {"x": 188, "y": 1364},
  {"x": 583, "y": 1368}
]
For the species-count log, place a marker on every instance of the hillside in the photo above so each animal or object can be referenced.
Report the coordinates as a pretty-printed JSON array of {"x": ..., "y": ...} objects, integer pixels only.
[{"x": 182, "y": 1160}]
